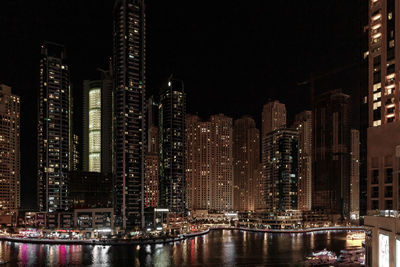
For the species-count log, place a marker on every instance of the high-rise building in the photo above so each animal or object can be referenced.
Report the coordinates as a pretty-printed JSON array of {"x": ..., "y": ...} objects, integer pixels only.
[
  {"x": 152, "y": 125},
  {"x": 209, "y": 163},
  {"x": 281, "y": 170},
  {"x": 273, "y": 117},
  {"x": 172, "y": 182},
  {"x": 331, "y": 152},
  {"x": 246, "y": 159},
  {"x": 54, "y": 129},
  {"x": 259, "y": 194},
  {"x": 129, "y": 112},
  {"x": 151, "y": 186},
  {"x": 97, "y": 124},
  {"x": 9, "y": 151},
  {"x": 75, "y": 152},
  {"x": 383, "y": 150},
  {"x": 90, "y": 190},
  {"x": 303, "y": 124},
  {"x": 355, "y": 175}
]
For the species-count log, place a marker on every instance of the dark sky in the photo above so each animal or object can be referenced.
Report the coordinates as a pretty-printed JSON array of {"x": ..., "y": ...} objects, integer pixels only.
[{"x": 232, "y": 55}]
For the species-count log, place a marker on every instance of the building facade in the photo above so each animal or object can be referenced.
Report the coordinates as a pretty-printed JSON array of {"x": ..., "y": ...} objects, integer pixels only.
[
  {"x": 303, "y": 124},
  {"x": 54, "y": 129},
  {"x": 384, "y": 117},
  {"x": 281, "y": 170},
  {"x": 209, "y": 163},
  {"x": 246, "y": 160},
  {"x": 129, "y": 112},
  {"x": 10, "y": 163},
  {"x": 90, "y": 190},
  {"x": 355, "y": 175},
  {"x": 151, "y": 186},
  {"x": 331, "y": 152},
  {"x": 273, "y": 117},
  {"x": 172, "y": 182},
  {"x": 97, "y": 124}
]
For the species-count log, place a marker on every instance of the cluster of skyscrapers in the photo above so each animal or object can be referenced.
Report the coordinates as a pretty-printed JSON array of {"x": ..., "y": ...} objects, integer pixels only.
[{"x": 151, "y": 154}]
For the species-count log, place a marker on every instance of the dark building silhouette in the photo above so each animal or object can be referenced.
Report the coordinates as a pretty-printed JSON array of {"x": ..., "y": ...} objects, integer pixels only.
[
  {"x": 90, "y": 190},
  {"x": 129, "y": 112},
  {"x": 54, "y": 129},
  {"x": 331, "y": 152},
  {"x": 172, "y": 182}
]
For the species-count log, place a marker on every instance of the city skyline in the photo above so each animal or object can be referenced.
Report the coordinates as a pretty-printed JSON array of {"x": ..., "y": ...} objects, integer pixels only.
[
  {"x": 96, "y": 33},
  {"x": 144, "y": 123}
]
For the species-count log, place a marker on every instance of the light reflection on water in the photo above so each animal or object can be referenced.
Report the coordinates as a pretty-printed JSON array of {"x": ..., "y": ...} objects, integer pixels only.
[{"x": 218, "y": 248}]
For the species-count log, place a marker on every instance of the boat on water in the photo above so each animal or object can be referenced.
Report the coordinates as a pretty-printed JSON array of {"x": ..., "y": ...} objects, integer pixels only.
[
  {"x": 323, "y": 257},
  {"x": 356, "y": 236},
  {"x": 351, "y": 257}
]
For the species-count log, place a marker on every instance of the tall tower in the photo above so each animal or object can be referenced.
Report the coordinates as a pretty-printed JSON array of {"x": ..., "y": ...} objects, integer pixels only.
[
  {"x": 331, "y": 152},
  {"x": 355, "y": 175},
  {"x": 246, "y": 159},
  {"x": 129, "y": 112},
  {"x": 281, "y": 169},
  {"x": 273, "y": 117},
  {"x": 54, "y": 129},
  {"x": 151, "y": 186},
  {"x": 303, "y": 124},
  {"x": 209, "y": 163},
  {"x": 383, "y": 140},
  {"x": 9, "y": 151},
  {"x": 97, "y": 124},
  {"x": 172, "y": 112}
]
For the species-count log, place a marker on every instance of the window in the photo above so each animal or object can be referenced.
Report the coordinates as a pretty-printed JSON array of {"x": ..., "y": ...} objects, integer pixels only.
[
  {"x": 375, "y": 204},
  {"x": 375, "y": 192},
  {"x": 388, "y": 191},
  {"x": 375, "y": 177}
]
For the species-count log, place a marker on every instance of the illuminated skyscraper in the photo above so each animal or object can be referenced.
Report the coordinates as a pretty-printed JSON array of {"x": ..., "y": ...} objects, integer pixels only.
[
  {"x": 303, "y": 124},
  {"x": 151, "y": 186},
  {"x": 9, "y": 151},
  {"x": 97, "y": 124},
  {"x": 246, "y": 159},
  {"x": 383, "y": 145},
  {"x": 281, "y": 170},
  {"x": 129, "y": 112},
  {"x": 172, "y": 112},
  {"x": 54, "y": 129},
  {"x": 209, "y": 163}
]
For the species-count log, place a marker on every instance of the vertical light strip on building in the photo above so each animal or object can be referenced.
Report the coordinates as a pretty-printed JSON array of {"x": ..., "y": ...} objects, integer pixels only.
[{"x": 95, "y": 130}]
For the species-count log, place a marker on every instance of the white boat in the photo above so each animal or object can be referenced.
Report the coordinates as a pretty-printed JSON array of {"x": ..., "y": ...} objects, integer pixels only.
[
  {"x": 323, "y": 257},
  {"x": 356, "y": 236}
]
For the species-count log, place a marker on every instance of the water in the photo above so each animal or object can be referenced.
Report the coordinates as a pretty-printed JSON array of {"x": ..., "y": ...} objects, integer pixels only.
[{"x": 218, "y": 248}]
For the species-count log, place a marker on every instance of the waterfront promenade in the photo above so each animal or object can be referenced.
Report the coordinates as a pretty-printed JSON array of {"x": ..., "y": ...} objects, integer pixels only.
[{"x": 118, "y": 242}]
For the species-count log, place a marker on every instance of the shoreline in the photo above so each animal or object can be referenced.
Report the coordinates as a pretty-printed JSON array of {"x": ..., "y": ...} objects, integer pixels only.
[
  {"x": 292, "y": 231},
  {"x": 120, "y": 242}
]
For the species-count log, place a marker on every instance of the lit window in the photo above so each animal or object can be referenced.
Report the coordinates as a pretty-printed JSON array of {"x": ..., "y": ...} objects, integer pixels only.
[{"x": 377, "y": 123}]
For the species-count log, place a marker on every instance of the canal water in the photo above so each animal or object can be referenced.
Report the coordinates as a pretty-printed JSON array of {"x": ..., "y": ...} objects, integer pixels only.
[{"x": 218, "y": 248}]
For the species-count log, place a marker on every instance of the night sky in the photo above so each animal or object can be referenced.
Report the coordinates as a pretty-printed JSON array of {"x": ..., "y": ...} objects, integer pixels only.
[{"x": 232, "y": 55}]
